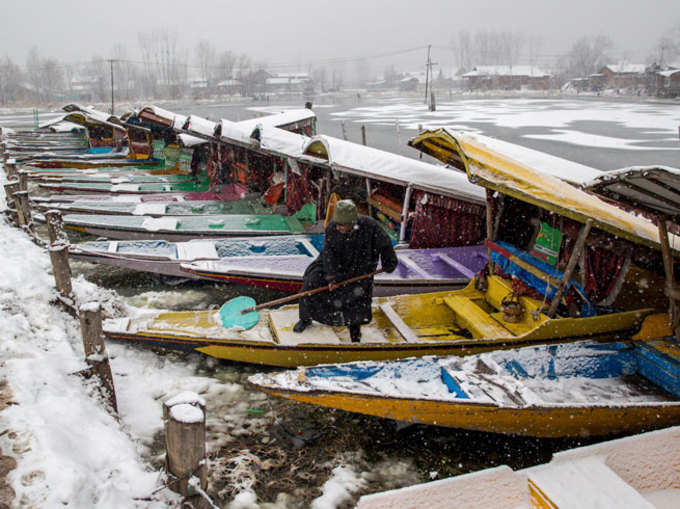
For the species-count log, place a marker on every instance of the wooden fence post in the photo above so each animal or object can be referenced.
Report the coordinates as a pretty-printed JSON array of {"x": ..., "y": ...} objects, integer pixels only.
[
  {"x": 10, "y": 188},
  {"x": 184, "y": 417},
  {"x": 55, "y": 229},
  {"x": 95, "y": 349},
  {"x": 23, "y": 180},
  {"x": 11, "y": 168},
  {"x": 61, "y": 269},
  {"x": 23, "y": 209}
]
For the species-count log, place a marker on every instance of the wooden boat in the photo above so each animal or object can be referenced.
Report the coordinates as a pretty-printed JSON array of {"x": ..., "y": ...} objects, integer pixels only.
[
  {"x": 156, "y": 208},
  {"x": 185, "y": 227},
  {"x": 156, "y": 185},
  {"x": 114, "y": 134},
  {"x": 419, "y": 270},
  {"x": 442, "y": 323},
  {"x": 229, "y": 193},
  {"x": 568, "y": 390},
  {"x": 163, "y": 257}
]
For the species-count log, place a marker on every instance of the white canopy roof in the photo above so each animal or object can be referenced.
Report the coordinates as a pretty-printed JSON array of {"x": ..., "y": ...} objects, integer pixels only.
[
  {"x": 373, "y": 163},
  {"x": 199, "y": 125},
  {"x": 279, "y": 119}
]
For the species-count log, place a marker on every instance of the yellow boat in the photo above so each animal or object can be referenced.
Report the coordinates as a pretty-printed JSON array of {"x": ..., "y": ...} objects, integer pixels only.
[
  {"x": 457, "y": 322},
  {"x": 574, "y": 389}
]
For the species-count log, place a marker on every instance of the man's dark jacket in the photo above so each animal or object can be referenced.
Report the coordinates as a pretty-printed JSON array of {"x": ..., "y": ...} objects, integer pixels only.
[{"x": 344, "y": 256}]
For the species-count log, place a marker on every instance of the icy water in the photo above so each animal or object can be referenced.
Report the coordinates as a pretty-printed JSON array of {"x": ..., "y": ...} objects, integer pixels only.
[{"x": 284, "y": 451}]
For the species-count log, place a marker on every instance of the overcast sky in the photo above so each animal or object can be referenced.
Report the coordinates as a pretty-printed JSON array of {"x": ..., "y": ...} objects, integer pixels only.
[{"x": 302, "y": 31}]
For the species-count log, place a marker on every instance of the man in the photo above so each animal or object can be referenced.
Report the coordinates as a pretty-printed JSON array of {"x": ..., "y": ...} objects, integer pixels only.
[{"x": 353, "y": 245}]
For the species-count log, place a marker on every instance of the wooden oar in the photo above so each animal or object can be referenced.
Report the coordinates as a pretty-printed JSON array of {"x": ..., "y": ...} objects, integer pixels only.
[{"x": 241, "y": 312}]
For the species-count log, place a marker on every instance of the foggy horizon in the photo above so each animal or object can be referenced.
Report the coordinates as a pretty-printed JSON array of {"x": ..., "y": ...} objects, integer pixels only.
[{"x": 290, "y": 37}]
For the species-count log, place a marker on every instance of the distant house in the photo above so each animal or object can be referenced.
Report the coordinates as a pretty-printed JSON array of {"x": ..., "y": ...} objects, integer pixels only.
[
  {"x": 624, "y": 75},
  {"x": 504, "y": 77},
  {"x": 668, "y": 83},
  {"x": 288, "y": 83},
  {"x": 408, "y": 84},
  {"x": 230, "y": 87}
]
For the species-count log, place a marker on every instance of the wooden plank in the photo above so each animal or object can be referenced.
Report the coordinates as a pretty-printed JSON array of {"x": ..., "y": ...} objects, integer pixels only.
[
  {"x": 413, "y": 266},
  {"x": 455, "y": 265},
  {"x": 470, "y": 316},
  {"x": 399, "y": 324},
  {"x": 309, "y": 247}
]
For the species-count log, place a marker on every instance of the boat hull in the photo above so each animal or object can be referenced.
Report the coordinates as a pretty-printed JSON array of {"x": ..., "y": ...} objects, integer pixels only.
[{"x": 541, "y": 422}]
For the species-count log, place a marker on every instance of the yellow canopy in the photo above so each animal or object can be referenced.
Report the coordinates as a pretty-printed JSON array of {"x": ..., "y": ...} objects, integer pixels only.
[{"x": 488, "y": 167}]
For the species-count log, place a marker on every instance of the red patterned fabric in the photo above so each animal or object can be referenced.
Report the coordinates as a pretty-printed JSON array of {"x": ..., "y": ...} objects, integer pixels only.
[
  {"x": 439, "y": 221},
  {"x": 602, "y": 272},
  {"x": 299, "y": 191}
]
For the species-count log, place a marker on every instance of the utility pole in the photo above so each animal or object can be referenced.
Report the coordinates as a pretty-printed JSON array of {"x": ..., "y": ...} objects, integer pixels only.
[
  {"x": 428, "y": 72},
  {"x": 112, "y": 103}
]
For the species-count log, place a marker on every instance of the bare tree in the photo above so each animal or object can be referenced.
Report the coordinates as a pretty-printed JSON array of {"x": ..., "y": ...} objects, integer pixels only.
[
  {"x": 587, "y": 56},
  {"x": 10, "y": 79},
  {"x": 206, "y": 55},
  {"x": 465, "y": 51}
]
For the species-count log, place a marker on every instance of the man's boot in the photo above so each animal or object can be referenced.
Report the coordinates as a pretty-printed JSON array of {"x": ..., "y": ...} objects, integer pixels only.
[
  {"x": 355, "y": 333},
  {"x": 302, "y": 325}
]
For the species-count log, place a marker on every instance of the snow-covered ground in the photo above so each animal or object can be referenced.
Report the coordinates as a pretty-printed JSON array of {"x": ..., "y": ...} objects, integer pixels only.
[{"x": 71, "y": 452}]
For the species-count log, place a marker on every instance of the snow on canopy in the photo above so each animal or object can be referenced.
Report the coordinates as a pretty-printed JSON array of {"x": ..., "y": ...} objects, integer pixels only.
[
  {"x": 173, "y": 120},
  {"x": 491, "y": 169},
  {"x": 199, "y": 125},
  {"x": 655, "y": 189},
  {"x": 279, "y": 119},
  {"x": 373, "y": 163},
  {"x": 230, "y": 131},
  {"x": 443, "y": 143}
]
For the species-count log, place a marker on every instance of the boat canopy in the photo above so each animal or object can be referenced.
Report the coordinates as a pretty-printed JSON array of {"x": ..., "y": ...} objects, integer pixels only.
[
  {"x": 373, "y": 163},
  {"x": 199, "y": 126},
  {"x": 163, "y": 117},
  {"x": 286, "y": 119},
  {"x": 653, "y": 189},
  {"x": 88, "y": 121},
  {"x": 229, "y": 131},
  {"x": 451, "y": 147}
]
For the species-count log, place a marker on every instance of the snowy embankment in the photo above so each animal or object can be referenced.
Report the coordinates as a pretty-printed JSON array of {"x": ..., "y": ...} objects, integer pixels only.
[{"x": 69, "y": 449}]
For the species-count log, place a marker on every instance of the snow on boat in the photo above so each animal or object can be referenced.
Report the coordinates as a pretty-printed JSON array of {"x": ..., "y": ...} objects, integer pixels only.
[
  {"x": 180, "y": 228},
  {"x": 442, "y": 323},
  {"x": 163, "y": 257},
  {"x": 568, "y": 390},
  {"x": 157, "y": 208},
  {"x": 148, "y": 185},
  {"x": 419, "y": 270}
]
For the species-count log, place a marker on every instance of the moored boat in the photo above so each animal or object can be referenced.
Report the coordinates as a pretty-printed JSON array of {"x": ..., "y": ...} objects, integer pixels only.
[
  {"x": 568, "y": 390},
  {"x": 163, "y": 257},
  {"x": 419, "y": 270}
]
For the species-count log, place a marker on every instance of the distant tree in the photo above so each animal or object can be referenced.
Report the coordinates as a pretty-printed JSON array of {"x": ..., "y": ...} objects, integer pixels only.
[
  {"x": 163, "y": 65},
  {"x": 587, "y": 56},
  {"x": 10, "y": 80},
  {"x": 206, "y": 56},
  {"x": 225, "y": 66},
  {"x": 464, "y": 51},
  {"x": 98, "y": 71},
  {"x": 667, "y": 49}
]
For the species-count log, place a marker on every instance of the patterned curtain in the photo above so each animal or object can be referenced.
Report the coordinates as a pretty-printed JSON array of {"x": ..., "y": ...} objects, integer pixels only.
[{"x": 439, "y": 221}]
